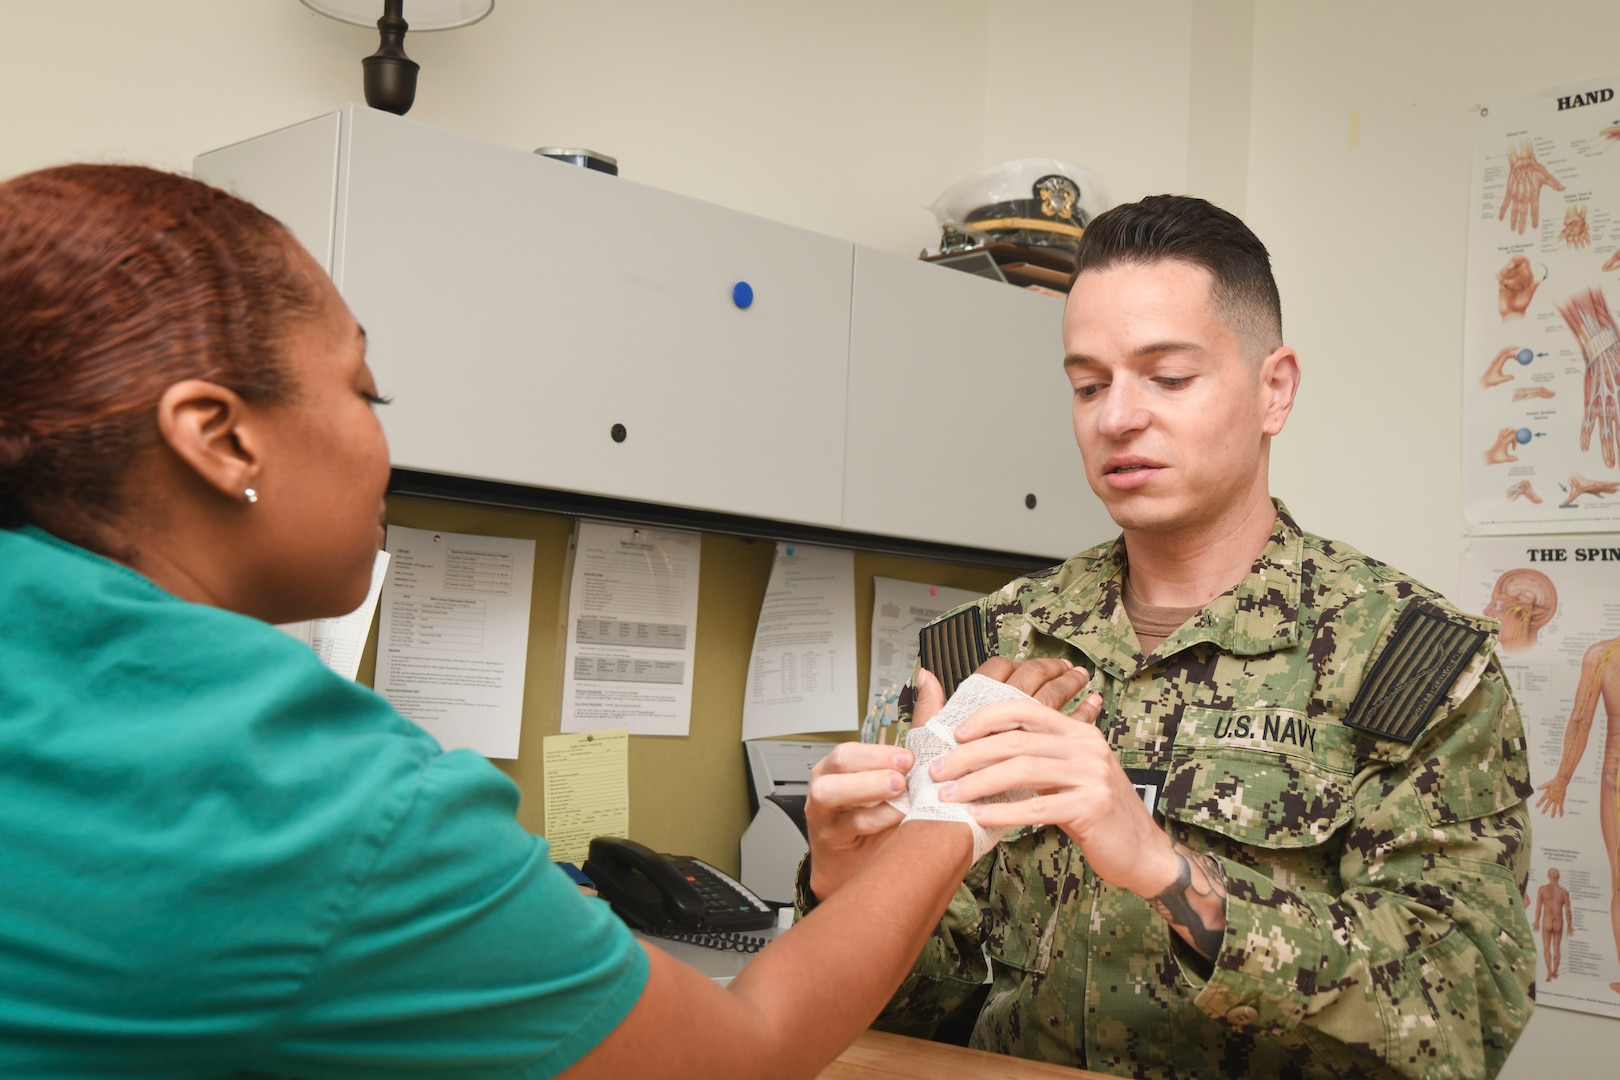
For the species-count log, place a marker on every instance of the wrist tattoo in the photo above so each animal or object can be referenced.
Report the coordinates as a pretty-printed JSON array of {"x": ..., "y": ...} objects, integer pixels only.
[{"x": 1195, "y": 903}]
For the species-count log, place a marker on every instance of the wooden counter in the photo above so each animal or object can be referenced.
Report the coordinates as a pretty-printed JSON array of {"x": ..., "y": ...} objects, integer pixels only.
[{"x": 878, "y": 1055}]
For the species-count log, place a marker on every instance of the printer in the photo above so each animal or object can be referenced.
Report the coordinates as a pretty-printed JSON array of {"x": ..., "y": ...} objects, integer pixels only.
[{"x": 777, "y": 838}]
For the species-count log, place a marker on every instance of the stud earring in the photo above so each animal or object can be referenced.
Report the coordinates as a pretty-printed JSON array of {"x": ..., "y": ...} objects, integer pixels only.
[{"x": 250, "y": 495}]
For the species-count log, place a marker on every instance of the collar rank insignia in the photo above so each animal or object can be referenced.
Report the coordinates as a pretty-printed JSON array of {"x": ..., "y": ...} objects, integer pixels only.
[
  {"x": 1149, "y": 785},
  {"x": 1419, "y": 664},
  {"x": 953, "y": 648}
]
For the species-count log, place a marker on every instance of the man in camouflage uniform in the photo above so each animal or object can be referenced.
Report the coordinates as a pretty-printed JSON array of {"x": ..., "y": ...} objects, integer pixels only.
[{"x": 1284, "y": 831}]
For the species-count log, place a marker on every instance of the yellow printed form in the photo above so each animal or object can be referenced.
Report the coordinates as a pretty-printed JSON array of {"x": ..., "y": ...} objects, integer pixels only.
[{"x": 587, "y": 780}]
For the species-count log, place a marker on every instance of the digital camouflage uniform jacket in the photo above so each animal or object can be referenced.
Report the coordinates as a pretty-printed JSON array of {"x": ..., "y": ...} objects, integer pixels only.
[{"x": 1375, "y": 925}]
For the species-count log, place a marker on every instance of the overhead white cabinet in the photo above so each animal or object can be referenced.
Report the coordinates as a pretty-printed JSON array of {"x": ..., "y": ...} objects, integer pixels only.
[
  {"x": 543, "y": 324},
  {"x": 546, "y": 325},
  {"x": 959, "y": 426}
]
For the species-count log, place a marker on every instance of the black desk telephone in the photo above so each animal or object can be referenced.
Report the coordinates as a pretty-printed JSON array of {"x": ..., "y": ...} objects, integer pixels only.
[{"x": 658, "y": 893}]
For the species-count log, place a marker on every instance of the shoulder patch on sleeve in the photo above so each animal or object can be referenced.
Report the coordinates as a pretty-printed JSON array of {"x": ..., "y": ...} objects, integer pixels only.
[
  {"x": 953, "y": 648},
  {"x": 1420, "y": 662}
]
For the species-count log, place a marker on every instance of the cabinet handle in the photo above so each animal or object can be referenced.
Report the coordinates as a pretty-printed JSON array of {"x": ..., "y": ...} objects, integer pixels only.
[
  {"x": 742, "y": 294},
  {"x": 1029, "y": 500},
  {"x": 619, "y": 434}
]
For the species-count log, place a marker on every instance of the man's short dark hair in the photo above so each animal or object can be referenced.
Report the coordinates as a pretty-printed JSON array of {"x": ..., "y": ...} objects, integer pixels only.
[{"x": 1187, "y": 229}]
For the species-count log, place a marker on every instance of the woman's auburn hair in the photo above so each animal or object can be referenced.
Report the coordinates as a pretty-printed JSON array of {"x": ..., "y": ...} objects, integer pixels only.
[{"x": 116, "y": 282}]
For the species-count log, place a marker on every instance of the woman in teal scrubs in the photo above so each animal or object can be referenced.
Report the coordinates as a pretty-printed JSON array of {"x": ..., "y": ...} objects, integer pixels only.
[{"x": 216, "y": 857}]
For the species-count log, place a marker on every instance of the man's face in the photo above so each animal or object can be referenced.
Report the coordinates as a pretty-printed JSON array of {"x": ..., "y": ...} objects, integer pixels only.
[{"x": 1172, "y": 420}]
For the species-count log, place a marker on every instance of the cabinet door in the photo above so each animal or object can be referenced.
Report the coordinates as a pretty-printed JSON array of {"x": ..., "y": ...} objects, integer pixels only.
[
  {"x": 522, "y": 310},
  {"x": 959, "y": 414},
  {"x": 290, "y": 173}
]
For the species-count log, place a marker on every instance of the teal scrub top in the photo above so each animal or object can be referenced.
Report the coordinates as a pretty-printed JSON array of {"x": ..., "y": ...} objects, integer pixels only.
[{"x": 219, "y": 858}]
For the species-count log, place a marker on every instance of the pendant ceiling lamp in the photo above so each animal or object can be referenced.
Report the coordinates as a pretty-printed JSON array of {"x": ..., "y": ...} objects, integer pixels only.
[{"x": 390, "y": 75}]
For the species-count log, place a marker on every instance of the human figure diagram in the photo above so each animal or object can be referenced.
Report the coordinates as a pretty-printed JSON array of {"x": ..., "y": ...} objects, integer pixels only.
[
  {"x": 1554, "y": 916},
  {"x": 1600, "y": 680}
]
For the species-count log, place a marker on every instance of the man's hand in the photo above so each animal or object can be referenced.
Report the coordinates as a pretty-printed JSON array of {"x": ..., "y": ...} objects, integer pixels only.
[
  {"x": 1516, "y": 285},
  {"x": 847, "y": 813},
  {"x": 1081, "y": 788},
  {"x": 1079, "y": 784}
]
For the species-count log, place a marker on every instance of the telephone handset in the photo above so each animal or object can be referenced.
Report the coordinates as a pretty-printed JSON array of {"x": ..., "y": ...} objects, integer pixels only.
[{"x": 655, "y": 892}]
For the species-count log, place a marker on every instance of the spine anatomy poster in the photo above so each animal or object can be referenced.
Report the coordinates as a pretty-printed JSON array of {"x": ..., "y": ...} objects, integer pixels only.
[
  {"x": 1541, "y": 346},
  {"x": 1560, "y": 647}
]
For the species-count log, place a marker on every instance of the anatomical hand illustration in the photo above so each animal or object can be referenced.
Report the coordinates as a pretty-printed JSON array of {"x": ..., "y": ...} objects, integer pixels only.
[
  {"x": 1613, "y": 263},
  {"x": 1501, "y": 451},
  {"x": 1494, "y": 375},
  {"x": 1532, "y": 391},
  {"x": 1516, "y": 284},
  {"x": 1595, "y": 488},
  {"x": 1526, "y": 178},
  {"x": 1574, "y": 232},
  {"x": 1588, "y": 317},
  {"x": 1611, "y": 132},
  {"x": 1523, "y": 490}
]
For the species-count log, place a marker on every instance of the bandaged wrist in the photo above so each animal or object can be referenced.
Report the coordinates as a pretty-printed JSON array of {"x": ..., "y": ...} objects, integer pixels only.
[{"x": 935, "y": 739}]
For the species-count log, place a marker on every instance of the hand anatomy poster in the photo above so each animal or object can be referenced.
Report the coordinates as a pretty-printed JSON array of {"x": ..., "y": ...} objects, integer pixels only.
[
  {"x": 1541, "y": 348},
  {"x": 1558, "y": 600}
]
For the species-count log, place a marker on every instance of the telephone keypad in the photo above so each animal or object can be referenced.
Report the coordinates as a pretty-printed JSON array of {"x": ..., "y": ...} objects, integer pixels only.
[{"x": 720, "y": 894}]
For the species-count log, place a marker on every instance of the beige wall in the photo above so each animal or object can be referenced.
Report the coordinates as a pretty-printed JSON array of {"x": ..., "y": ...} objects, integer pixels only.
[
  {"x": 1341, "y": 129},
  {"x": 1360, "y": 151},
  {"x": 847, "y": 117}
]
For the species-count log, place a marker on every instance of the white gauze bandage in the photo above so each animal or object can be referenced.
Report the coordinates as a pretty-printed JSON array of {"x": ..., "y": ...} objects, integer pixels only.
[{"x": 937, "y": 738}]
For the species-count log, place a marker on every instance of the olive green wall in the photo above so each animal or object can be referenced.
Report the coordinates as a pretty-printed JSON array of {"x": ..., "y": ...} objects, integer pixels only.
[{"x": 689, "y": 794}]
